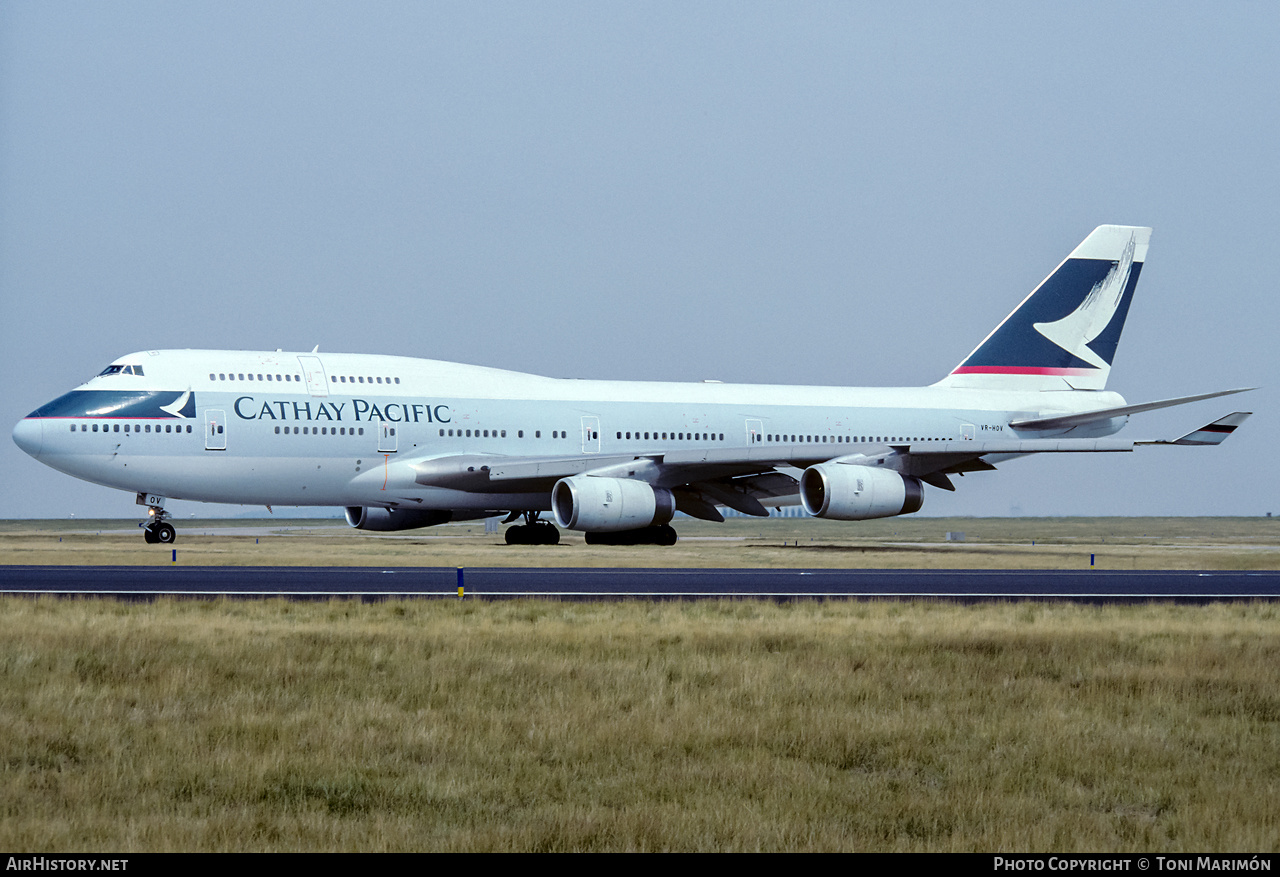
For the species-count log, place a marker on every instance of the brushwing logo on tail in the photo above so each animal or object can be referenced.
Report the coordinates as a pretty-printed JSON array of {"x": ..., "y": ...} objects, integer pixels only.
[
  {"x": 1066, "y": 331},
  {"x": 1074, "y": 332}
]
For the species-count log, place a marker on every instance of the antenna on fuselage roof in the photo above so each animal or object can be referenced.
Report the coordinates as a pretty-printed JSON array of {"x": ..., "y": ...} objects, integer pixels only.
[{"x": 315, "y": 349}]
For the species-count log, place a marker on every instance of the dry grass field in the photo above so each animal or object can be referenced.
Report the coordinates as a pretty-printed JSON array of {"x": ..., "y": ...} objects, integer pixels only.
[
  {"x": 720, "y": 725},
  {"x": 712, "y": 725},
  {"x": 914, "y": 543}
]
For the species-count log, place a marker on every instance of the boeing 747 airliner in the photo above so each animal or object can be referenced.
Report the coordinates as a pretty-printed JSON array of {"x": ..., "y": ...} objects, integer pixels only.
[{"x": 404, "y": 443}]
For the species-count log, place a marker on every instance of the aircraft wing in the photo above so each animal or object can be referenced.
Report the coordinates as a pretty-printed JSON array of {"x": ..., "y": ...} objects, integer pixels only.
[
  {"x": 746, "y": 478},
  {"x": 932, "y": 462},
  {"x": 497, "y": 473},
  {"x": 493, "y": 473},
  {"x": 1065, "y": 420},
  {"x": 739, "y": 478}
]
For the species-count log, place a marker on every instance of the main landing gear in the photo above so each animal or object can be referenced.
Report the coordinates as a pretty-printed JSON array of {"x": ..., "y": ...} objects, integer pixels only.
[
  {"x": 532, "y": 532},
  {"x": 535, "y": 532},
  {"x": 664, "y": 535}
]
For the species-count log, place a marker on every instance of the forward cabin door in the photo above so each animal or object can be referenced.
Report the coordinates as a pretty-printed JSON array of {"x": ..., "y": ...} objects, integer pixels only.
[{"x": 755, "y": 432}]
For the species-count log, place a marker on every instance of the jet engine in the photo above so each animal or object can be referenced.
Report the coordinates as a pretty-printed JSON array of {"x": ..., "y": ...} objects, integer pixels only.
[
  {"x": 386, "y": 520},
  {"x": 855, "y": 493},
  {"x": 597, "y": 504}
]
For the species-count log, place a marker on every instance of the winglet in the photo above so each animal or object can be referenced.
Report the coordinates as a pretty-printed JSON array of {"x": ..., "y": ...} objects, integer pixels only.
[{"x": 1214, "y": 433}]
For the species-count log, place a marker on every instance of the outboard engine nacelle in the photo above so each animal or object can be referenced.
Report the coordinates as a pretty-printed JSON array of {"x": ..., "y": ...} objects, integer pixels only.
[
  {"x": 387, "y": 520},
  {"x": 847, "y": 492},
  {"x": 597, "y": 504}
]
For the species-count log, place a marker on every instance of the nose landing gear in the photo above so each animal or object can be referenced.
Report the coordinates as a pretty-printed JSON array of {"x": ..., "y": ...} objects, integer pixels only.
[
  {"x": 159, "y": 533},
  {"x": 156, "y": 531}
]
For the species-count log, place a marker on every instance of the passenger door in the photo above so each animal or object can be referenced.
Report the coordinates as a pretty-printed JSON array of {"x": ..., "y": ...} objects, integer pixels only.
[
  {"x": 215, "y": 430},
  {"x": 388, "y": 441},
  {"x": 590, "y": 434}
]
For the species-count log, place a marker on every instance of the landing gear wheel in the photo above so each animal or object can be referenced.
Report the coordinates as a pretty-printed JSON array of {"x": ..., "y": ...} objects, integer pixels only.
[
  {"x": 155, "y": 530},
  {"x": 663, "y": 535},
  {"x": 537, "y": 533}
]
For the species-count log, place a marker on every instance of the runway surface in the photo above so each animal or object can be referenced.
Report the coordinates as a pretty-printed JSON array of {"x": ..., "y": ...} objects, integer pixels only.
[{"x": 1094, "y": 586}]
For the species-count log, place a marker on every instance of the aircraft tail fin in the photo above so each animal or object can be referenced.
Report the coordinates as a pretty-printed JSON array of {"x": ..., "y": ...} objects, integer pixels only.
[{"x": 1064, "y": 334}]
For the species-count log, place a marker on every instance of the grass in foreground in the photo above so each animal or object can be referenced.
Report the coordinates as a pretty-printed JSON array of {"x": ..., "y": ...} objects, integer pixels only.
[{"x": 617, "y": 726}]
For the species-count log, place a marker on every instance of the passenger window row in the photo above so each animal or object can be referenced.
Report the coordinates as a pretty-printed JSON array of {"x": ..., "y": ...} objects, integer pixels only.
[
  {"x": 810, "y": 439},
  {"x": 562, "y": 434},
  {"x": 486, "y": 433},
  {"x": 137, "y": 427},
  {"x": 361, "y": 379},
  {"x": 249, "y": 376},
  {"x": 679, "y": 436},
  {"x": 839, "y": 439},
  {"x": 323, "y": 430},
  {"x": 497, "y": 433},
  {"x": 243, "y": 376}
]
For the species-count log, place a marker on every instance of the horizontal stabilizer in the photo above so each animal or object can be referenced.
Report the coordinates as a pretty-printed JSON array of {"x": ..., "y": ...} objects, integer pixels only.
[
  {"x": 1212, "y": 434},
  {"x": 1066, "y": 420}
]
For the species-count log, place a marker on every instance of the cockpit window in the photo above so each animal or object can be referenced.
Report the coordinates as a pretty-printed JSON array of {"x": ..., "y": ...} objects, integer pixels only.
[{"x": 121, "y": 370}]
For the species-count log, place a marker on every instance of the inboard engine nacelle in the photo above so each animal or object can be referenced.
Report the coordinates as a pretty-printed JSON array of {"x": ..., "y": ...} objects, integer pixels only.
[
  {"x": 854, "y": 493},
  {"x": 598, "y": 504},
  {"x": 387, "y": 520}
]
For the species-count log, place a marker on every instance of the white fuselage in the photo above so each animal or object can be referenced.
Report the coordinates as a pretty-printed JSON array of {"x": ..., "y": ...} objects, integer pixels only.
[{"x": 345, "y": 429}]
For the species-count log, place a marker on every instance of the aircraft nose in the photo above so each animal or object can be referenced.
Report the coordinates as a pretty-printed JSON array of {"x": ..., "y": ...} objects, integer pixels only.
[{"x": 29, "y": 435}]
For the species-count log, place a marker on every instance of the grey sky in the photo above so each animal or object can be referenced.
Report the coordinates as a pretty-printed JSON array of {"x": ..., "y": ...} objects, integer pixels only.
[{"x": 785, "y": 193}]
